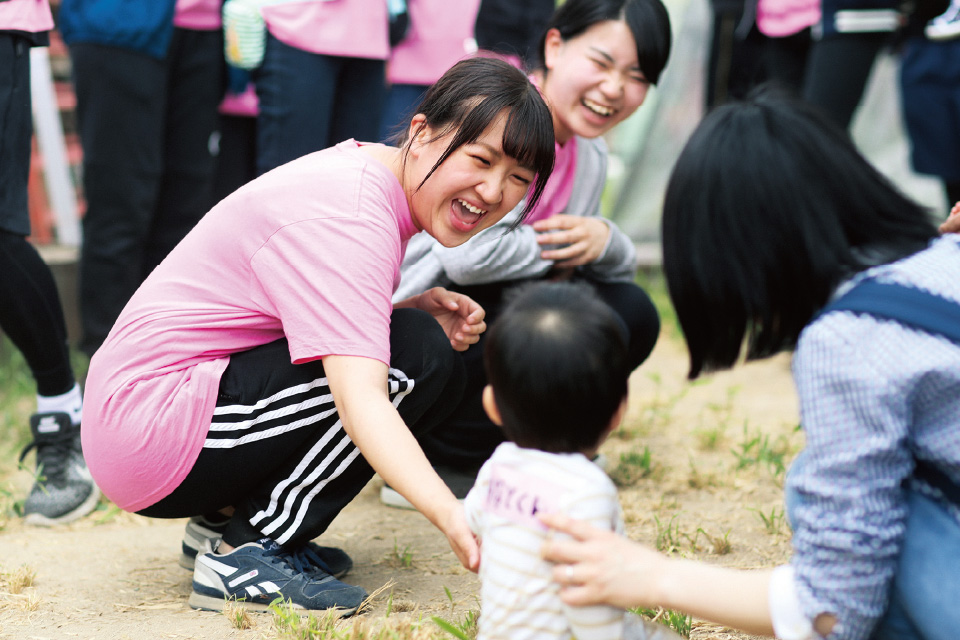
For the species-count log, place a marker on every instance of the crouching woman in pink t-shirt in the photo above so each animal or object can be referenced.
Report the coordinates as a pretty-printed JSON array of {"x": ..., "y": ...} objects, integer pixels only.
[{"x": 262, "y": 371}]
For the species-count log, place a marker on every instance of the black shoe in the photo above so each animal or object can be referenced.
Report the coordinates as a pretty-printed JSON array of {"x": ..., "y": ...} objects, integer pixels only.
[{"x": 64, "y": 490}]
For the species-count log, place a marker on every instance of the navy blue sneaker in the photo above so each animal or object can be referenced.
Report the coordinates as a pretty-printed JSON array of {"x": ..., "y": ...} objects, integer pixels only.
[
  {"x": 258, "y": 573},
  {"x": 199, "y": 529}
]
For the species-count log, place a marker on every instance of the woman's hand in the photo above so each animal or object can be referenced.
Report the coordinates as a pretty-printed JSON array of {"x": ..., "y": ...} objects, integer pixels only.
[
  {"x": 460, "y": 317},
  {"x": 583, "y": 239},
  {"x": 599, "y": 566},
  {"x": 952, "y": 223},
  {"x": 461, "y": 538}
]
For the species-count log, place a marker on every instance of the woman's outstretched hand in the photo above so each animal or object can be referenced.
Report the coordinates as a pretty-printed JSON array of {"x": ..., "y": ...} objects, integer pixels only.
[
  {"x": 460, "y": 317},
  {"x": 461, "y": 538}
]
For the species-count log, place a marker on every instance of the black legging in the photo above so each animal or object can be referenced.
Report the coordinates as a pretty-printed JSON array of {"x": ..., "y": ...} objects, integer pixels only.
[
  {"x": 468, "y": 437},
  {"x": 31, "y": 314}
]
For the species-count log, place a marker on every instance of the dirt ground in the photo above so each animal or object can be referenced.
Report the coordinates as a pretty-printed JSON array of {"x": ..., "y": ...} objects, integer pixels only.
[{"x": 700, "y": 467}]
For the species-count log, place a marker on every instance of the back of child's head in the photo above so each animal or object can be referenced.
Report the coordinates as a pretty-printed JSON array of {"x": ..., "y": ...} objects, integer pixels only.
[
  {"x": 648, "y": 20},
  {"x": 557, "y": 361}
]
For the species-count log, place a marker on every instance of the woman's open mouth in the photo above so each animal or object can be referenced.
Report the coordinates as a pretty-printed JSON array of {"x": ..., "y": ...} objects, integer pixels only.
[
  {"x": 467, "y": 213},
  {"x": 597, "y": 108}
]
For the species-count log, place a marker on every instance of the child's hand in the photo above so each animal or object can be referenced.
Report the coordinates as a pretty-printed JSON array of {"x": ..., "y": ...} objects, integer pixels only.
[{"x": 952, "y": 223}]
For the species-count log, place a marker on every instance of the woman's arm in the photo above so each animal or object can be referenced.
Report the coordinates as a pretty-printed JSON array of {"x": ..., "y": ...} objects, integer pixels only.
[
  {"x": 599, "y": 566},
  {"x": 359, "y": 388}
]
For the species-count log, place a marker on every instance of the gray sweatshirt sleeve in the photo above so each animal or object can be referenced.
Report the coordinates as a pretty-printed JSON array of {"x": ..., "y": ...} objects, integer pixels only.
[{"x": 498, "y": 254}]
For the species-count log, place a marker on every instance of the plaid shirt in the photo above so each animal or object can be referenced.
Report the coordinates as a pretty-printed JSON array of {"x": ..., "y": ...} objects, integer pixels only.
[{"x": 873, "y": 396}]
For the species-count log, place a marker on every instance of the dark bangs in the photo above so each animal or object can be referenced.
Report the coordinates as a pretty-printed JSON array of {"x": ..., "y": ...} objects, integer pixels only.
[{"x": 496, "y": 88}]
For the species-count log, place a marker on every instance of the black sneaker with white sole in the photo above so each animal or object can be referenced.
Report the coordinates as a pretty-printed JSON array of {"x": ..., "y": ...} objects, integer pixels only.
[
  {"x": 199, "y": 529},
  {"x": 258, "y": 573}
]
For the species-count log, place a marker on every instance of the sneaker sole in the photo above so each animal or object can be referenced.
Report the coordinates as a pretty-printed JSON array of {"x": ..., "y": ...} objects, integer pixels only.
[
  {"x": 210, "y": 603},
  {"x": 392, "y": 498},
  {"x": 88, "y": 505}
]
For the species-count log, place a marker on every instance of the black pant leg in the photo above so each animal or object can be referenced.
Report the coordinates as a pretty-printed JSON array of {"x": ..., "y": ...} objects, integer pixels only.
[
  {"x": 120, "y": 105},
  {"x": 283, "y": 460},
  {"x": 195, "y": 87},
  {"x": 837, "y": 72},
  {"x": 31, "y": 315}
]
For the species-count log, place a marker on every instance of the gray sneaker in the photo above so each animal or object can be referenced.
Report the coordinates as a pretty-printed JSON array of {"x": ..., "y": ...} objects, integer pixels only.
[
  {"x": 258, "y": 573},
  {"x": 64, "y": 490}
]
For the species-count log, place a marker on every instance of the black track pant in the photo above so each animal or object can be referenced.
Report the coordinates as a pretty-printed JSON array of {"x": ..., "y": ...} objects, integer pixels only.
[{"x": 277, "y": 451}]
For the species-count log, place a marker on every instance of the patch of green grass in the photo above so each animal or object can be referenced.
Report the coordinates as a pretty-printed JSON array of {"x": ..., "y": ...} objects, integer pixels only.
[
  {"x": 758, "y": 450},
  {"x": 402, "y": 558},
  {"x": 676, "y": 620},
  {"x": 775, "y": 522},
  {"x": 633, "y": 467}
]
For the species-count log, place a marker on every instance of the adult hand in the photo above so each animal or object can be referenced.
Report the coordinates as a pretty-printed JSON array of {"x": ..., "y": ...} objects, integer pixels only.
[
  {"x": 461, "y": 538},
  {"x": 952, "y": 223},
  {"x": 598, "y": 566},
  {"x": 583, "y": 239},
  {"x": 460, "y": 317}
]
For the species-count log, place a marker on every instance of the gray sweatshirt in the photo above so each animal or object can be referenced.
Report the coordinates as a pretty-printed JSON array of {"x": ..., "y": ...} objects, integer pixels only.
[{"x": 498, "y": 254}]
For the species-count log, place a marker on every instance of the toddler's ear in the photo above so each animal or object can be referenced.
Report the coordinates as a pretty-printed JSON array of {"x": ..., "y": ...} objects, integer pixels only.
[
  {"x": 616, "y": 419},
  {"x": 490, "y": 406}
]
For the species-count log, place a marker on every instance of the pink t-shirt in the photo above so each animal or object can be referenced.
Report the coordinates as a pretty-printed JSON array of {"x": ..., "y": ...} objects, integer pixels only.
[
  {"x": 347, "y": 28},
  {"x": 199, "y": 15},
  {"x": 31, "y": 16},
  {"x": 310, "y": 251},
  {"x": 556, "y": 193},
  {"x": 780, "y": 18},
  {"x": 440, "y": 34}
]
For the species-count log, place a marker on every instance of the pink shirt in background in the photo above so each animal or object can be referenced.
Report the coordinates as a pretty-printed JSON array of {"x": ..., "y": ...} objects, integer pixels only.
[
  {"x": 440, "y": 34},
  {"x": 310, "y": 251},
  {"x": 31, "y": 16},
  {"x": 346, "y": 28},
  {"x": 780, "y": 18},
  {"x": 198, "y": 15}
]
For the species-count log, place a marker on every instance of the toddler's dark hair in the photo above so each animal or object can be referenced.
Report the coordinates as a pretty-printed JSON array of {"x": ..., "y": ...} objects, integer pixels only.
[{"x": 557, "y": 361}]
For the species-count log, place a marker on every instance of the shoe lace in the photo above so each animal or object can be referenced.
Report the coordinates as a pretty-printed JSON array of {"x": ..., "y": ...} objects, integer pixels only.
[
  {"x": 303, "y": 559},
  {"x": 53, "y": 453}
]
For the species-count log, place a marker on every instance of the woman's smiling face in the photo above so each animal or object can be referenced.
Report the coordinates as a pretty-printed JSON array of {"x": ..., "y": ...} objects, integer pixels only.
[
  {"x": 474, "y": 188},
  {"x": 592, "y": 81}
]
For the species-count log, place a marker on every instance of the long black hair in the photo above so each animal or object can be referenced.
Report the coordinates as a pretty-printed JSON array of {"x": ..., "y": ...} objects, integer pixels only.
[
  {"x": 647, "y": 20},
  {"x": 470, "y": 96},
  {"x": 769, "y": 207}
]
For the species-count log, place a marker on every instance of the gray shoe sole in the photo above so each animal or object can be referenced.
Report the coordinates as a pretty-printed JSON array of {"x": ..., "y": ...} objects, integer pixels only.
[{"x": 88, "y": 505}]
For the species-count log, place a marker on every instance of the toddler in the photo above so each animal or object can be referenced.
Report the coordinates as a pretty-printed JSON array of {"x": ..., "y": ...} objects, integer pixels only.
[{"x": 556, "y": 361}]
